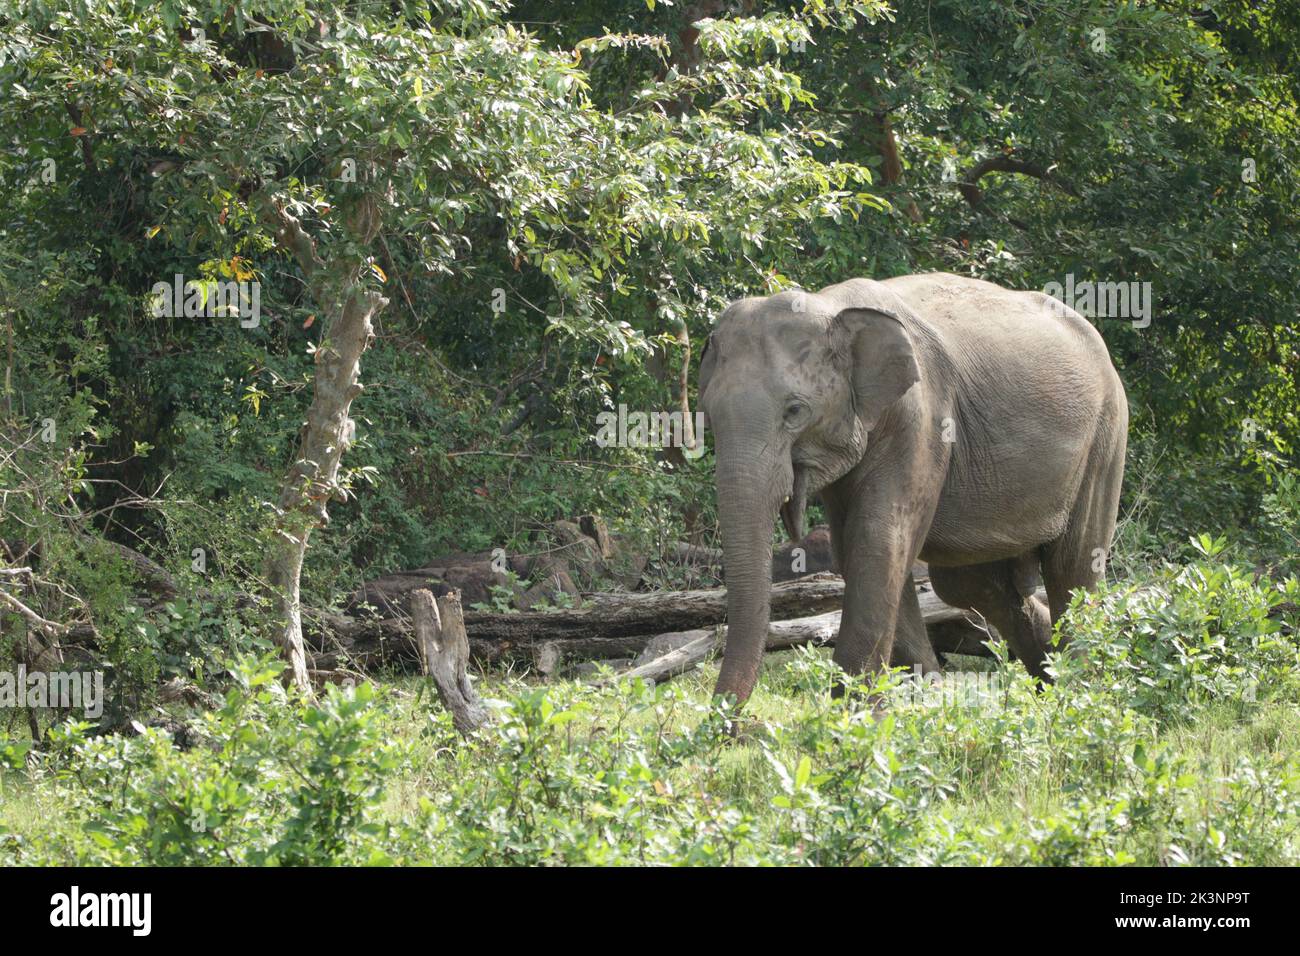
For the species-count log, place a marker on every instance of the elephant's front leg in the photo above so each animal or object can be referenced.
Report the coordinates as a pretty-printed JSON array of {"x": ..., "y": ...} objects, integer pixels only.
[
  {"x": 882, "y": 516},
  {"x": 912, "y": 647},
  {"x": 875, "y": 569}
]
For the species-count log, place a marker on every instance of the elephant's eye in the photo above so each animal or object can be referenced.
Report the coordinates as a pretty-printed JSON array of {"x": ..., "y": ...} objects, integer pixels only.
[{"x": 795, "y": 413}]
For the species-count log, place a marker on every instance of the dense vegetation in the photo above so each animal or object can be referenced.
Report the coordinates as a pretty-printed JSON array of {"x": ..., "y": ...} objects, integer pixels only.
[
  {"x": 1174, "y": 744},
  {"x": 545, "y": 205}
]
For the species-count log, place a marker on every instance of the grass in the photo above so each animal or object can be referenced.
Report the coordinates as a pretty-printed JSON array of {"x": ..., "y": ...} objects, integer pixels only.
[{"x": 986, "y": 798}]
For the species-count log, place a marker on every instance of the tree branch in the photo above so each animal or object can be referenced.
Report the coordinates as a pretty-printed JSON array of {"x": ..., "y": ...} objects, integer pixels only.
[
  {"x": 1000, "y": 163},
  {"x": 52, "y": 628},
  {"x": 87, "y": 152},
  {"x": 291, "y": 237}
]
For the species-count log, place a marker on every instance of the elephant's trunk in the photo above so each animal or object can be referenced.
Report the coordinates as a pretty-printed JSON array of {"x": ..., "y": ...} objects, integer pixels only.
[{"x": 748, "y": 496}]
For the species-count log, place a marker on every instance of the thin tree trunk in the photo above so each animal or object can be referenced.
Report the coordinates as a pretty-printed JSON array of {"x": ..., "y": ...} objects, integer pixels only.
[
  {"x": 9, "y": 364},
  {"x": 892, "y": 165},
  {"x": 312, "y": 479}
]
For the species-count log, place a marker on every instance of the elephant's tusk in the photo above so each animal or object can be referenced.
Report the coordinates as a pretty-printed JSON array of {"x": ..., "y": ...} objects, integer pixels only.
[{"x": 792, "y": 509}]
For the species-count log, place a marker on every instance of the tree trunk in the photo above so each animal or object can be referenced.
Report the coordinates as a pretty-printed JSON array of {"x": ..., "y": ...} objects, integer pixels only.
[
  {"x": 877, "y": 130},
  {"x": 313, "y": 477},
  {"x": 444, "y": 655}
]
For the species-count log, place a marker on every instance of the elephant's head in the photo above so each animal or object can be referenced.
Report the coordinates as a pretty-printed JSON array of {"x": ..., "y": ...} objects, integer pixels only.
[{"x": 791, "y": 386}]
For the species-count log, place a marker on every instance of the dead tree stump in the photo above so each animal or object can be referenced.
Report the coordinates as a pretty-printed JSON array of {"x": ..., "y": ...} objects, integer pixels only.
[{"x": 439, "y": 627}]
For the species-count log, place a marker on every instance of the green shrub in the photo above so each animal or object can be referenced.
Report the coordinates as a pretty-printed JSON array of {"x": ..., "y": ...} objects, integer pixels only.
[
  {"x": 1187, "y": 637},
  {"x": 272, "y": 780}
]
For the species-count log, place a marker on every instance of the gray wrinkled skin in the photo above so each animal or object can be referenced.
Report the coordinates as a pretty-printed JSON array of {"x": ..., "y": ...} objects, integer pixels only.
[{"x": 979, "y": 428}]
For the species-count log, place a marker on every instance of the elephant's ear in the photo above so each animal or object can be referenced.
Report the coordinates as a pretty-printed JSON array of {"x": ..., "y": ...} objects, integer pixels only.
[
  {"x": 883, "y": 360},
  {"x": 708, "y": 362}
]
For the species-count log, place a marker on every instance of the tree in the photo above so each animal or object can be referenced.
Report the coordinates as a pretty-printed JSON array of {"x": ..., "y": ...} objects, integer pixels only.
[{"x": 328, "y": 133}]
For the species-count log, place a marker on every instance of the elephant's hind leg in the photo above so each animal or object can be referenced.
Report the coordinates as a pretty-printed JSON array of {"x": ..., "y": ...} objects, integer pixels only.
[
  {"x": 1078, "y": 558},
  {"x": 1003, "y": 591}
]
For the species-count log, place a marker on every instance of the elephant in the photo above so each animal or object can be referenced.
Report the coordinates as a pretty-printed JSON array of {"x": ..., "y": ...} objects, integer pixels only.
[{"x": 979, "y": 428}]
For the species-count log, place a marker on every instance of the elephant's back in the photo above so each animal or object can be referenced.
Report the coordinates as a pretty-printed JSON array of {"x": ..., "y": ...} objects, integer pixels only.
[
  {"x": 983, "y": 326},
  {"x": 975, "y": 307}
]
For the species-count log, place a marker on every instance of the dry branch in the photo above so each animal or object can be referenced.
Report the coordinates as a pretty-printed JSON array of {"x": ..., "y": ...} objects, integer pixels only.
[{"x": 53, "y": 628}]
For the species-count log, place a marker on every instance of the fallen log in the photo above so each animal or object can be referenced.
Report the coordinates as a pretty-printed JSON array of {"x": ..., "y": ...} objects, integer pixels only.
[
  {"x": 613, "y": 626},
  {"x": 616, "y": 614},
  {"x": 695, "y": 647},
  {"x": 688, "y": 649}
]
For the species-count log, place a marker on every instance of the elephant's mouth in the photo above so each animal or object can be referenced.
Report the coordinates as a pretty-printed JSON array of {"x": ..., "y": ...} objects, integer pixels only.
[{"x": 792, "y": 509}]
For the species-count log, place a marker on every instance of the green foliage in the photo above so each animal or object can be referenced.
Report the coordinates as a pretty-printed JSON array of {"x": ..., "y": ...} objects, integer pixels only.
[
  {"x": 1170, "y": 738},
  {"x": 270, "y": 782},
  {"x": 556, "y": 795},
  {"x": 561, "y": 196},
  {"x": 1189, "y": 637}
]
